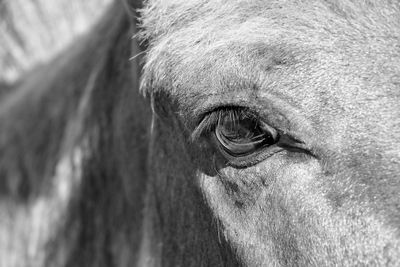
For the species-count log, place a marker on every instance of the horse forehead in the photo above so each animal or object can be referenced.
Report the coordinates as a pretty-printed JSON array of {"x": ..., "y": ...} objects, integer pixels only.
[
  {"x": 163, "y": 17},
  {"x": 193, "y": 33},
  {"x": 187, "y": 37}
]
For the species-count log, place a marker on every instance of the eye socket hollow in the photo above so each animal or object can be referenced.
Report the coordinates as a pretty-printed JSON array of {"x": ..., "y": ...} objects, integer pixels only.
[{"x": 240, "y": 134}]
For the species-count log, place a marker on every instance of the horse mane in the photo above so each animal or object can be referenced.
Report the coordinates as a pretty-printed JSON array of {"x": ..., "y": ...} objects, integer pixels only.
[
  {"x": 33, "y": 32},
  {"x": 62, "y": 150}
]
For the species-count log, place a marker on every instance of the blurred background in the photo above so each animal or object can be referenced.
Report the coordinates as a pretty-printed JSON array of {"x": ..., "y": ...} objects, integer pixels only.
[{"x": 34, "y": 31}]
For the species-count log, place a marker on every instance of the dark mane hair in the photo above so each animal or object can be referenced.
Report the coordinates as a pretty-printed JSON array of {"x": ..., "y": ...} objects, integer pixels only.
[{"x": 66, "y": 117}]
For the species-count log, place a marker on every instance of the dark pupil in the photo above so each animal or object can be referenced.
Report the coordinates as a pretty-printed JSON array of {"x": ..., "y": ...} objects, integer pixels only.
[{"x": 242, "y": 136}]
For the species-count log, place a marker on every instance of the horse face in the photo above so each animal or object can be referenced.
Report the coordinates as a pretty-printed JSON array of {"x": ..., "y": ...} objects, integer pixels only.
[{"x": 285, "y": 118}]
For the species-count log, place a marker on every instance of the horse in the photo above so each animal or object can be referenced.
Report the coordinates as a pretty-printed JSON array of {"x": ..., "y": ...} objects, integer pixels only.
[{"x": 209, "y": 133}]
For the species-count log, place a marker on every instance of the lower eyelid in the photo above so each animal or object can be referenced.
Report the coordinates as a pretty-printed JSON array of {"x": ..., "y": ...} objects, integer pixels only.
[
  {"x": 253, "y": 159},
  {"x": 286, "y": 144}
]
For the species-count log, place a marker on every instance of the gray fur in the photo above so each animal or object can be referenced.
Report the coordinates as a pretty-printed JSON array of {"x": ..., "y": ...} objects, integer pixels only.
[{"x": 93, "y": 174}]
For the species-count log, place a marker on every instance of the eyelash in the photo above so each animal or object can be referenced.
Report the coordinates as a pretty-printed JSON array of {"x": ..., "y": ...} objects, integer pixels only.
[{"x": 210, "y": 120}]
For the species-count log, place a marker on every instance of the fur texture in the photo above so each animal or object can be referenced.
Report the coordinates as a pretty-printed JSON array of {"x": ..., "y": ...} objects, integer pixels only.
[
  {"x": 93, "y": 174},
  {"x": 326, "y": 72}
]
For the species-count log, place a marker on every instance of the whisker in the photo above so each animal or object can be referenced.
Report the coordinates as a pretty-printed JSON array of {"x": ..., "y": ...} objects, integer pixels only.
[{"x": 135, "y": 56}]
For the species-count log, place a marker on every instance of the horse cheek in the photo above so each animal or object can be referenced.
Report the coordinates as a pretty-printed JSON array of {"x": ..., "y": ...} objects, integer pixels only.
[{"x": 182, "y": 234}]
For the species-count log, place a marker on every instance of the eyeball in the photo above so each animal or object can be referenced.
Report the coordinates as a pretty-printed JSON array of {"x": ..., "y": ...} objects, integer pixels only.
[{"x": 243, "y": 134}]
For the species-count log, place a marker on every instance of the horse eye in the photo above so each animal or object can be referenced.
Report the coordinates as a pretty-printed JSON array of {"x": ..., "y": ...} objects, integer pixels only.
[{"x": 243, "y": 135}]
